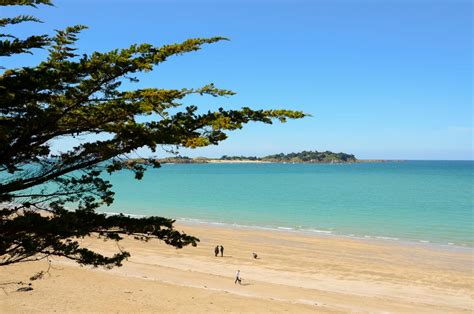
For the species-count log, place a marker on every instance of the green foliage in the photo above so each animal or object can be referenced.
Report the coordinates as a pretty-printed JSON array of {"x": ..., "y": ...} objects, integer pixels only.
[
  {"x": 301, "y": 157},
  {"x": 10, "y": 44},
  {"x": 177, "y": 160},
  {"x": 31, "y": 233},
  {"x": 311, "y": 157},
  {"x": 68, "y": 95},
  {"x": 252, "y": 158}
]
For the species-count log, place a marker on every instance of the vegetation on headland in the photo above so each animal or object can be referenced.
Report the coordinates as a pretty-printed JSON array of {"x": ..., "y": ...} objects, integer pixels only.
[
  {"x": 240, "y": 158},
  {"x": 48, "y": 200},
  {"x": 301, "y": 157},
  {"x": 312, "y": 157}
]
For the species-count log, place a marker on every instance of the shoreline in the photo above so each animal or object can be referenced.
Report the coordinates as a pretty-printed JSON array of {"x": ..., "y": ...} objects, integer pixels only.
[
  {"x": 384, "y": 240},
  {"x": 322, "y": 234},
  {"x": 318, "y": 233}
]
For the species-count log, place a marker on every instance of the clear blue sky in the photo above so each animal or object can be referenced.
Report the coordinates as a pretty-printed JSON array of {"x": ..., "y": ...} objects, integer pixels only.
[{"x": 382, "y": 79}]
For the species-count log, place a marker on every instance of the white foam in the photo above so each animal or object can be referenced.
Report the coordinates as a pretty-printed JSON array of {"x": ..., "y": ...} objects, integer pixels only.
[
  {"x": 317, "y": 231},
  {"x": 388, "y": 238},
  {"x": 285, "y": 228}
]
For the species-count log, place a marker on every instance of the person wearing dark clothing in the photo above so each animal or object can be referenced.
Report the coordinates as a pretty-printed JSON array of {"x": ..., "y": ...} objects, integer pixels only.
[
  {"x": 216, "y": 250},
  {"x": 222, "y": 251}
]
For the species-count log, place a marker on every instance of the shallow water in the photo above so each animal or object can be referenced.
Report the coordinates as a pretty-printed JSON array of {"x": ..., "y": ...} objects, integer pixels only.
[{"x": 422, "y": 201}]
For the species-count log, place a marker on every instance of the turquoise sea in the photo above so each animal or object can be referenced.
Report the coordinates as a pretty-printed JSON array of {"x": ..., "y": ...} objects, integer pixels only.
[{"x": 420, "y": 201}]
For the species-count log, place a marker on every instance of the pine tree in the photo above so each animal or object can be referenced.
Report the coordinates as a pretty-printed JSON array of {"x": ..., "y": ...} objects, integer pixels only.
[{"x": 71, "y": 95}]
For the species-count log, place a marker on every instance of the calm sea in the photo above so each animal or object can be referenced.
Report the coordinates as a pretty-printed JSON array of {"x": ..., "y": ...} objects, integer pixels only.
[{"x": 422, "y": 201}]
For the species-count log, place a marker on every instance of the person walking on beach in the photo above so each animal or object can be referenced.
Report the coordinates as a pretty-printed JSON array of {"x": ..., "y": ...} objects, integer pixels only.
[
  {"x": 254, "y": 255},
  {"x": 222, "y": 251},
  {"x": 237, "y": 278},
  {"x": 216, "y": 250}
]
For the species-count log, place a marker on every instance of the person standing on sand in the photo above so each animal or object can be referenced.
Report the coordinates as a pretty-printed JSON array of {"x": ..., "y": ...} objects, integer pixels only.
[
  {"x": 237, "y": 278},
  {"x": 216, "y": 250},
  {"x": 222, "y": 251}
]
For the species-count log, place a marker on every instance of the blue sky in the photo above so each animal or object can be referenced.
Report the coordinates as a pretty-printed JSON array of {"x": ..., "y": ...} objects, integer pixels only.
[{"x": 382, "y": 79}]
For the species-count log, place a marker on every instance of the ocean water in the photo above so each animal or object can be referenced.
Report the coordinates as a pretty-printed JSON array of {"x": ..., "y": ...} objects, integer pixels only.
[{"x": 421, "y": 201}]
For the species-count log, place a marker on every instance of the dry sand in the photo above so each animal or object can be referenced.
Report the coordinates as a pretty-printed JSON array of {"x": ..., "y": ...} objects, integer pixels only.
[{"x": 294, "y": 273}]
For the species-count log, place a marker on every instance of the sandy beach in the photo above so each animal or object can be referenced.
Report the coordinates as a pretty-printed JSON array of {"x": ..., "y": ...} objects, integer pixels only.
[
  {"x": 245, "y": 161},
  {"x": 294, "y": 273}
]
